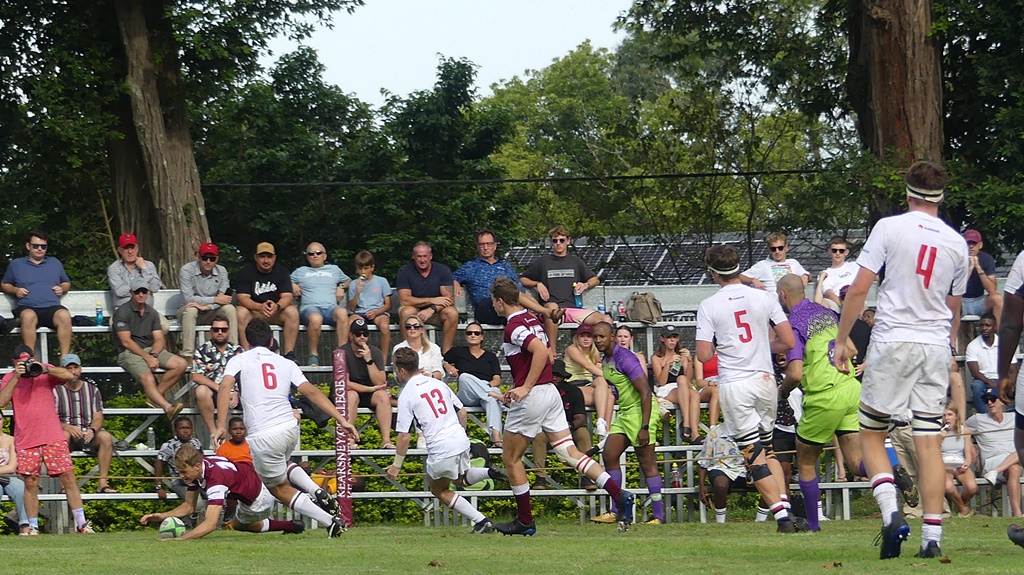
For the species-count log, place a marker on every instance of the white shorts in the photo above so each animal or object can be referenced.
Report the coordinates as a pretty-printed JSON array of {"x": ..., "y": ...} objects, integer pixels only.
[
  {"x": 991, "y": 463},
  {"x": 662, "y": 391},
  {"x": 260, "y": 509},
  {"x": 541, "y": 410},
  {"x": 271, "y": 449},
  {"x": 450, "y": 467},
  {"x": 906, "y": 375},
  {"x": 749, "y": 404}
]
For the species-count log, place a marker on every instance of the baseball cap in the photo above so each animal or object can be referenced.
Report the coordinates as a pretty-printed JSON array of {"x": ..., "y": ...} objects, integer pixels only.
[
  {"x": 137, "y": 283},
  {"x": 669, "y": 331},
  {"x": 208, "y": 248},
  {"x": 70, "y": 359},
  {"x": 125, "y": 240},
  {"x": 359, "y": 327},
  {"x": 584, "y": 328},
  {"x": 265, "y": 248},
  {"x": 973, "y": 236},
  {"x": 990, "y": 393},
  {"x": 21, "y": 350},
  {"x": 558, "y": 368}
]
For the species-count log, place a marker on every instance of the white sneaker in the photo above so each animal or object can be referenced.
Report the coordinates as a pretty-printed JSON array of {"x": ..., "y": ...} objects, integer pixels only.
[
  {"x": 992, "y": 477},
  {"x": 601, "y": 427}
]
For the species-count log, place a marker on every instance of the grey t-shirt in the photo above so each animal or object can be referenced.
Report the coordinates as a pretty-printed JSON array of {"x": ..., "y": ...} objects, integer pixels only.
[
  {"x": 141, "y": 326},
  {"x": 994, "y": 438},
  {"x": 558, "y": 274}
]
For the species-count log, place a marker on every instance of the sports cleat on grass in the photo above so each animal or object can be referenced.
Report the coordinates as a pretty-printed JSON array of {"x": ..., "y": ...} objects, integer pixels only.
[
  {"x": 1016, "y": 534},
  {"x": 87, "y": 529},
  {"x": 336, "y": 528},
  {"x": 625, "y": 511},
  {"x": 604, "y": 518},
  {"x": 516, "y": 527},
  {"x": 905, "y": 483},
  {"x": 930, "y": 551},
  {"x": 300, "y": 526},
  {"x": 892, "y": 536},
  {"x": 654, "y": 521},
  {"x": 786, "y": 525},
  {"x": 483, "y": 526},
  {"x": 325, "y": 501}
]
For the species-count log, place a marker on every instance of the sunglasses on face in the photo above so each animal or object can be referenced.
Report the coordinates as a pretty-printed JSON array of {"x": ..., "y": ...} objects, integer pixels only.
[
  {"x": 776, "y": 248},
  {"x": 559, "y": 240},
  {"x": 208, "y": 258},
  {"x": 837, "y": 250},
  {"x": 413, "y": 326},
  {"x": 219, "y": 329},
  {"x": 474, "y": 333},
  {"x": 990, "y": 400},
  {"x": 361, "y": 334},
  {"x": 141, "y": 291},
  {"x": 316, "y": 253},
  {"x": 39, "y": 246}
]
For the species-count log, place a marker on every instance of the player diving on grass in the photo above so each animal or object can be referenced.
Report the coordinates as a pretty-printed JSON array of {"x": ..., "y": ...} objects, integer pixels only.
[{"x": 439, "y": 413}]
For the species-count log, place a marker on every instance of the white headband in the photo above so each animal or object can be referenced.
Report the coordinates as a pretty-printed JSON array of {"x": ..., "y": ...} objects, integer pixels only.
[
  {"x": 934, "y": 196},
  {"x": 731, "y": 271}
]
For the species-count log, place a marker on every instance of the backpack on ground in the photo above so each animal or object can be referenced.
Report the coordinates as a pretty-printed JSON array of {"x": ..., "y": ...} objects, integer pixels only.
[{"x": 643, "y": 307}]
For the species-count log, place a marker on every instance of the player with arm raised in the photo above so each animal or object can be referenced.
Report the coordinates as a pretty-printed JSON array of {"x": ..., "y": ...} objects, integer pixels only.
[
  {"x": 266, "y": 380},
  {"x": 926, "y": 269},
  {"x": 439, "y": 413},
  {"x": 737, "y": 324}
]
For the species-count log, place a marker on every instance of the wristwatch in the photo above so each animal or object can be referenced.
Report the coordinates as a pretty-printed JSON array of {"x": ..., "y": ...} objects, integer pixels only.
[{"x": 645, "y": 427}]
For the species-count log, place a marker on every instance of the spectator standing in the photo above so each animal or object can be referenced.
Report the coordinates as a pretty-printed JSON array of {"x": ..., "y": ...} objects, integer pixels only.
[
  {"x": 208, "y": 363},
  {"x": 10, "y": 484},
  {"x": 426, "y": 290},
  {"x": 430, "y": 356},
  {"x": 982, "y": 360},
  {"x": 141, "y": 348},
  {"x": 322, "y": 288},
  {"x": 765, "y": 273},
  {"x": 837, "y": 276},
  {"x": 265, "y": 292},
  {"x": 38, "y": 437},
  {"x": 369, "y": 298},
  {"x": 367, "y": 381},
  {"x": 38, "y": 282},
  {"x": 479, "y": 376},
  {"x": 203, "y": 284},
  {"x": 994, "y": 432},
  {"x": 236, "y": 448},
  {"x": 80, "y": 409},
  {"x": 982, "y": 292}
]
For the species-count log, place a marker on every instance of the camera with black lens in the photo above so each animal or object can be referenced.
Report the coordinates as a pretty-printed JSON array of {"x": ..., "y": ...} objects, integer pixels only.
[{"x": 32, "y": 368}]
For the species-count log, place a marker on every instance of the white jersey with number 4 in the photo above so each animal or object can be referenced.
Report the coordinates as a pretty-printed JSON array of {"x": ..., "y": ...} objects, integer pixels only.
[
  {"x": 737, "y": 318},
  {"x": 266, "y": 380},
  {"x": 924, "y": 261},
  {"x": 432, "y": 404}
]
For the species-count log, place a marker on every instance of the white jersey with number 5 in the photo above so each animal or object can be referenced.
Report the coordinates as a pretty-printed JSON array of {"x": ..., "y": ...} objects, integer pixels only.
[
  {"x": 925, "y": 260},
  {"x": 431, "y": 403},
  {"x": 266, "y": 380},
  {"x": 737, "y": 318}
]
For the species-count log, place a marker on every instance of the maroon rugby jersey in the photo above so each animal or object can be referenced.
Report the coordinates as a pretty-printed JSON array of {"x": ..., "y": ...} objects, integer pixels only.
[
  {"x": 521, "y": 329},
  {"x": 224, "y": 479}
]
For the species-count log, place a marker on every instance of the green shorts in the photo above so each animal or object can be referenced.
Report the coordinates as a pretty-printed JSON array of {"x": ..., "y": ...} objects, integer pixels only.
[
  {"x": 828, "y": 412},
  {"x": 627, "y": 422}
]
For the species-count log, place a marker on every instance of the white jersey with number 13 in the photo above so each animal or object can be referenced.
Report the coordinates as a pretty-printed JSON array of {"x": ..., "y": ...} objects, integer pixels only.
[{"x": 432, "y": 404}]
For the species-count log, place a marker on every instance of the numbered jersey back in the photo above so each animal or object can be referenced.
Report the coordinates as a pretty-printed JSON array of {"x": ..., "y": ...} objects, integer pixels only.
[
  {"x": 924, "y": 261},
  {"x": 737, "y": 318},
  {"x": 435, "y": 409},
  {"x": 266, "y": 380}
]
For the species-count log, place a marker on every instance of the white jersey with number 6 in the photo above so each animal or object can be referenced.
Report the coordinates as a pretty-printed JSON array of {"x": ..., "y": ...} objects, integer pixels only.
[
  {"x": 924, "y": 261},
  {"x": 431, "y": 403},
  {"x": 266, "y": 380},
  {"x": 737, "y": 318}
]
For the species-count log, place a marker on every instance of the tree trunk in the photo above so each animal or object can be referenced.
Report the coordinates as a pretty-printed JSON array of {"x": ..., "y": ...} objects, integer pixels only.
[
  {"x": 153, "y": 169},
  {"x": 895, "y": 83}
]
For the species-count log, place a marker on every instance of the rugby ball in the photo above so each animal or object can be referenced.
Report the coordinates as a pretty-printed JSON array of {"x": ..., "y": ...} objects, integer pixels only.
[{"x": 171, "y": 527}]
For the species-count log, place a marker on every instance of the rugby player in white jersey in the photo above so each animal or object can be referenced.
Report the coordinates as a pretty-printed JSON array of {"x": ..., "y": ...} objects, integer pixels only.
[
  {"x": 266, "y": 380},
  {"x": 1009, "y": 338},
  {"x": 737, "y": 322},
  {"x": 439, "y": 414},
  {"x": 925, "y": 274}
]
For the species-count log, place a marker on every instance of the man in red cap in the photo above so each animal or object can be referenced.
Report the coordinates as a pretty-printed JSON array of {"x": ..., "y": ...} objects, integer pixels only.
[
  {"x": 982, "y": 293},
  {"x": 204, "y": 284},
  {"x": 129, "y": 266}
]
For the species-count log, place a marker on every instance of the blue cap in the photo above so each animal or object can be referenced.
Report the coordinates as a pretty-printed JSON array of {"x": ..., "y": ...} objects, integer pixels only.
[{"x": 70, "y": 359}]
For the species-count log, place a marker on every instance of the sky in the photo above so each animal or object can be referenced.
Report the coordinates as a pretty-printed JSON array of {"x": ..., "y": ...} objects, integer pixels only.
[{"x": 394, "y": 44}]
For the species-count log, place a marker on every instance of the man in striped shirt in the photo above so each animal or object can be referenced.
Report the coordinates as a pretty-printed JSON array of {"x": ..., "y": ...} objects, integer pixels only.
[{"x": 80, "y": 408}]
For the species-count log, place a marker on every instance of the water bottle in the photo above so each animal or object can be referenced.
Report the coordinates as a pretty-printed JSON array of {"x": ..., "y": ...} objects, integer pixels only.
[
  {"x": 600, "y": 308},
  {"x": 150, "y": 438},
  {"x": 622, "y": 311},
  {"x": 577, "y": 297},
  {"x": 99, "y": 313},
  {"x": 677, "y": 480}
]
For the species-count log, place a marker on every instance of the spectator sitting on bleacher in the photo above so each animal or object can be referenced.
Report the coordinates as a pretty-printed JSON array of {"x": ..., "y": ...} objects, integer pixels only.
[
  {"x": 131, "y": 266},
  {"x": 367, "y": 381},
  {"x": 765, "y": 273},
  {"x": 994, "y": 433},
  {"x": 720, "y": 462},
  {"x": 236, "y": 448},
  {"x": 208, "y": 362},
  {"x": 478, "y": 275},
  {"x": 322, "y": 289},
  {"x": 426, "y": 290},
  {"x": 837, "y": 276},
  {"x": 265, "y": 291},
  {"x": 982, "y": 293},
  {"x": 431, "y": 361},
  {"x": 673, "y": 370},
  {"x": 868, "y": 315},
  {"x": 624, "y": 337},
  {"x": 479, "y": 375},
  {"x": 37, "y": 282},
  {"x": 705, "y": 377},
  {"x": 10, "y": 484},
  {"x": 982, "y": 361},
  {"x": 558, "y": 278},
  {"x": 958, "y": 457},
  {"x": 203, "y": 284},
  {"x": 38, "y": 438},
  {"x": 141, "y": 348},
  {"x": 369, "y": 298},
  {"x": 80, "y": 409},
  {"x": 165, "y": 457},
  {"x": 583, "y": 362}
]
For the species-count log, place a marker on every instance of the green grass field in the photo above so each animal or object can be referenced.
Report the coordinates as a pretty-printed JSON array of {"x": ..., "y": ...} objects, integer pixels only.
[{"x": 975, "y": 545}]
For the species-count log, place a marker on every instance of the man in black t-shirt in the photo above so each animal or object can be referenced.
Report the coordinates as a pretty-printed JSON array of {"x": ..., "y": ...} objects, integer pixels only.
[
  {"x": 479, "y": 376},
  {"x": 982, "y": 293},
  {"x": 265, "y": 291},
  {"x": 367, "y": 381}
]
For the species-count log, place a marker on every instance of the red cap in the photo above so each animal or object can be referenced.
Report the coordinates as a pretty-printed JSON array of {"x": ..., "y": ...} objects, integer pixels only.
[
  {"x": 208, "y": 248},
  {"x": 126, "y": 240},
  {"x": 973, "y": 236}
]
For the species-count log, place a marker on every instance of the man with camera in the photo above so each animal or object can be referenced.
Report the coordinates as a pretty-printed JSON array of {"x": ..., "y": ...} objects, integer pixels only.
[
  {"x": 38, "y": 282},
  {"x": 38, "y": 437},
  {"x": 204, "y": 287}
]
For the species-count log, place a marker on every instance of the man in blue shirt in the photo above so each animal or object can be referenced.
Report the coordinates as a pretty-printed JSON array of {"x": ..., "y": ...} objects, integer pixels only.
[
  {"x": 322, "y": 287},
  {"x": 38, "y": 282}
]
